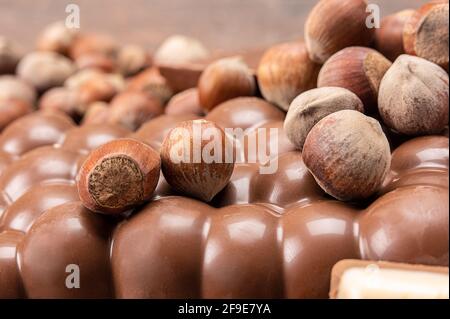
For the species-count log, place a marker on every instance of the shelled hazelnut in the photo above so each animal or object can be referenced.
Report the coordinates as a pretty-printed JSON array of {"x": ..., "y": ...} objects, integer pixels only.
[
  {"x": 118, "y": 176},
  {"x": 426, "y": 35},
  {"x": 45, "y": 70},
  {"x": 56, "y": 37},
  {"x": 357, "y": 69},
  {"x": 185, "y": 102},
  {"x": 223, "y": 80},
  {"x": 196, "y": 159},
  {"x": 10, "y": 55},
  {"x": 348, "y": 155},
  {"x": 62, "y": 99},
  {"x": 179, "y": 49},
  {"x": 413, "y": 97},
  {"x": 93, "y": 43},
  {"x": 389, "y": 37},
  {"x": 96, "y": 61},
  {"x": 285, "y": 71},
  {"x": 132, "y": 59},
  {"x": 12, "y": 87},
  {"x": 336, "y": 24},
  {"x": 132, "y": 109},
  {"x": 152, "y": 83},
  {"x": 96, "y": 113},
  {"x": 311, "y": 106}
]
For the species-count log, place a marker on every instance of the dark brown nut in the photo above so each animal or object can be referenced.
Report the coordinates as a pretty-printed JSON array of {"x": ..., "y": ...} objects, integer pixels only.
[
  {"x": 223, "y": 80},
  {"x": 413, "y": 97},
  {"x": 118, "y": 176},
  {"x": 426, "y": 33},
  {"x": 279, "y": 81},
  {"x": 196, "y": 159},
  {"x": 336, "y": 24},
  {"x": 97, "y": 61},
  {"x": 132, "y": 59},
  {"x": 93, "y": 43},
  {"x": 152, "y": 83},
  {"x": 179, "y": 49},
  {"x": 62, "y": 99},
  {"x": 357, "y": 69},
  {"x": 97, "y": 113},
  {"x": 311, "y": 106},
  {"x": 10, "y": 55},
  {"x": 12, "y": 87},
  {"x": 389, "y": 37},
  {"x": 132, "y": 109},
  {"x": 56, "y": 37},
  {"x": 185, "y": 102},
  {"x": 348, "y": 155},
  {"x": 45, "y": 70},
  {"x": 12, "y": 109}
]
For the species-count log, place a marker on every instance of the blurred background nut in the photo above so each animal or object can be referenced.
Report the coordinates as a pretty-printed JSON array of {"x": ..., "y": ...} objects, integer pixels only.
[
  {"x": 285, "y": 71},
  {"x": 132, "y": 109},
  {"x": 310, "y": 107},
  {"x": 223, "y": 80},
  {"x": 179, "y": 49},
  {"x": 10, "y": 55},
  {"x": 186, "y": 102},
  {"x": 97, "y": 113},
  {"x": 336, "y": 24},
  {"x": 12, "y": 87},
  {"x": 426, "y": 33},
  {"x": 131, "y": 59},
  {"x": 93, "y": 43},
  {"x": 11, "y": 109},
  {"x": 62, "y": 99},
  {"x": 413, "y": 97},
  {"x": 152, "y": 83},
  {"x": 348, "y": 155},
  {"x": 45, "y": 70},
  {"x": 96, "y": 61},
  {"x": 56, "y": 37},
  {"x": 389, "y": 37},
  {"x": 357, "y": 69}
]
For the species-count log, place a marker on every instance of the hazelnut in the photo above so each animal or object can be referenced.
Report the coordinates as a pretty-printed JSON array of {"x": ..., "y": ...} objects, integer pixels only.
[
  {"x": 132, "y": 109},
  {"x": 132, "y": 59},
  {"x": 311, "y": 106},
  {"x": 197, "y": 160},
  {"x": 426, "y": 33},
  {"x": 348, "y": 155},
  {"x": 45, "y": 70},
  {"x": 93, "y": 43},
  {"x": 389, "y": 37},
  {"x": 357, "y": 69},
  {"x": 56, "y": 37},
  {"x": 279, "y": 81},
  {"x": 9, "y": 56},
  {"x": 179, "y": 49},
  {"x": 97, "y": 113},
  {"x": 223, "y": 80},
  {"x": 152, "y": 83},
  {"x": 12, "y": 109},
  {"x": 413, "y": 97},
  {"x": 12, "y": 87},
  {"x": 96, "y": 61},
  {"x": 61, "y": 99},
  {"x": 118, "y": 176},
  {"x": 186, "y": 102},
  {"x": 336, "y": 24}
]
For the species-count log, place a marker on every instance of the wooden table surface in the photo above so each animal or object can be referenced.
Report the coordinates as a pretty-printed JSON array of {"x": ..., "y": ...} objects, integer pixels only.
[{"x": 221, "y": 24}]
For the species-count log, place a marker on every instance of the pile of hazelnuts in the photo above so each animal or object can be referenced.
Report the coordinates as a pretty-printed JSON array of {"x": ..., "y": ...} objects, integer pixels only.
[{"x": 344, "y": 88}]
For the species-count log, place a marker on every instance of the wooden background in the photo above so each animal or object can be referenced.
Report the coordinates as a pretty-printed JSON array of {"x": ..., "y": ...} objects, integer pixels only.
[{"x": 221, "y": 24}]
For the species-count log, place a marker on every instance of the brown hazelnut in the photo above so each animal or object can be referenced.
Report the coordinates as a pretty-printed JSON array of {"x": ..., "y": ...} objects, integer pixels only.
[
  {"x": 132, "y": 59},
  {"x": 96, "y": 61},
  {"x": 10, "y": 55},
  {"x": 413, "y": 97},
  {"x": 185, "y": 102},
  {"x": 279, "y": 81},
  {"x": 12, "y": 109},
  {"x": 118, "y": 176},
  {"x": 45, "y": 70},
  {"x": 223, "y": 80},
  {"x": 389, "y": 37},
  {"x": 61, "y": 99},
  {"x": 97, "y": 113},
  {"x": 179, "y": 49},
  {"x": 357, "y": 69},
  {"x": 311, "y": 106},
  {"x": 336, "y": 24},
  {"x": 426, "y": 33},
  {"x": 152, "y": 83},
  {"x": 93, "y": 43},
  {"x": 196, "y": 159},
  {"x": 12, "y": 87},
  {"x": 348, "y": 155},
  {"x": 132, "y": 109},
  {"x": 56, "y": 37}
]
